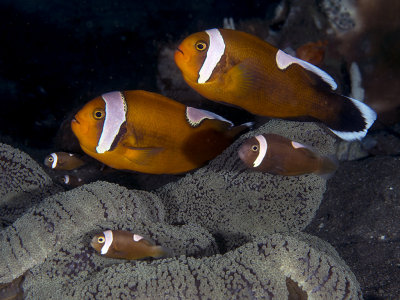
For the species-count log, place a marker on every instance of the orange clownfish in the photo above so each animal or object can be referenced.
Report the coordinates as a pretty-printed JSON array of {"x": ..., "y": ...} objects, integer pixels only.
[
  {"x": 125, "y": 245},
  {"x": 278, "y": 155},
  {"x": 240, "y": 69},
  {"x": 149, "y": 133}
]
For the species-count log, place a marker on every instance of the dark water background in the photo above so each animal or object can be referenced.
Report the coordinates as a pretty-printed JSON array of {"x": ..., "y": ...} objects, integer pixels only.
[{"x": 55, "y": 55}]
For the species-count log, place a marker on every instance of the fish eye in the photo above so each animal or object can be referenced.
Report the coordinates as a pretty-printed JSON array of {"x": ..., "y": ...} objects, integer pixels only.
[
  {"x": 200, "y": 45},
  {"x": 254, "y": 148},
  {"x": 101, "y": 240},
  {"x": 50, "y": 159},
  {"x": 99, "y": 114}
]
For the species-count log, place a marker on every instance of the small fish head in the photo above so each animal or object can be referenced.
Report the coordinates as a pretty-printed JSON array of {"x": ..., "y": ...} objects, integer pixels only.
[
  {"x": 98, "y": 242},
  {"x": 190, "y": 55},
  {"x": 249, "y": 151},
  {"x": 51, "y": 160},
  {"x": 88, "y": 124}
]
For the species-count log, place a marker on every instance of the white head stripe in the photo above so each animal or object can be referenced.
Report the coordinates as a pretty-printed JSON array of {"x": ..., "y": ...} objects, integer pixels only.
[
  {"x": 55, "y": 159},
  {"x": 262, "y": 151},
  {"x": 296, "y": 145},
  {"x": 137, "y": 237},
  {"x": 195, "y": 116},
  {"x": 115, "y": 108},
  {"x": 108, "y": 236},
  {"x": 216, "y": 49},
  {"x": 66, "y": 179},
  {"x": 284, "y": 60}
]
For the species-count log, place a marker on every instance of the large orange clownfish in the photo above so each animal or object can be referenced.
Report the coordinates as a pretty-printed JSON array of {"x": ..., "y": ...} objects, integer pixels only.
[
  {"x": 240, "y": 69},
  {"x": 149, "y": 133}
]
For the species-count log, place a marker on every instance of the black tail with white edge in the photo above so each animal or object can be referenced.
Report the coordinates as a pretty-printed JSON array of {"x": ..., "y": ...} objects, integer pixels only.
[{"x": 353, "y": 119}]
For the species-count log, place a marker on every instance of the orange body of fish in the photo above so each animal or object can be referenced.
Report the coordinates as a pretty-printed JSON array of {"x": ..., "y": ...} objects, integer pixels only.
[
  {"x": 147, "y": 132},
  {"x": 242, "y": 70}
]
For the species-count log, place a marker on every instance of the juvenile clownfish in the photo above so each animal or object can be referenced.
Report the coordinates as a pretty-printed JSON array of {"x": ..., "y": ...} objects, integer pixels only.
[
  {"x": 70, "y": 180},
  {"x": 125, "y": 245},
  {"x": 312, "y": 52},
  {"x": 240, "y": 69},
  {"x": 63, "y": 161},
  {"x": 149, "y": 133},
  {"x": 278, "y": 155}
]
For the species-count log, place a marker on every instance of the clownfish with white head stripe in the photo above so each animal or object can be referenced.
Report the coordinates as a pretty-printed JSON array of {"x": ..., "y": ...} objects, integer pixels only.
[
  {"x": 275, "y": 154},
  {"x": 240, "y": 69},
  {"x": 70, "y": 180},
  {"x": 63, "y": 161},
  {"x": 126, "y": 245},
  {"x": 149, "y": 133}
]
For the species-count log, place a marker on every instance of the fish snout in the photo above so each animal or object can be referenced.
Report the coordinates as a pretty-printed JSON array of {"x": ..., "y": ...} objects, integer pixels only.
[
  {"x": 179, "y": 50},
  {"x": 93, "y": 242},
  {"x": 75, "y": 120},
  {"x": 242, "y": 153},
  {"x": 79, "y": 127},
  {"x": 179, "y": 55}
]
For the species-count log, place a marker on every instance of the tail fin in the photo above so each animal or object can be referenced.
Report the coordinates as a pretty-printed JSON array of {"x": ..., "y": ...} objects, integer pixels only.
[
  {"x": 328, "y": 167},
  {"x": 160, "y": 251},
  {"x": 354, "y": 119}
]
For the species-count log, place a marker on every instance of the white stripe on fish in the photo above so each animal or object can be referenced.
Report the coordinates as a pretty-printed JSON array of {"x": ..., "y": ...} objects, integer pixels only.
[{"x": 216, "y": 49}]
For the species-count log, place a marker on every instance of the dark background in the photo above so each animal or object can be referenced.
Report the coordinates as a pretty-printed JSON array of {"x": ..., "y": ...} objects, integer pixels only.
[{"x": 56, "y": 55}]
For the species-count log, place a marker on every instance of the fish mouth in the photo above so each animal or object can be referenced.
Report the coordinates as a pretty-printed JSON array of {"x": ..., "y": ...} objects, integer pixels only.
[
  {"x": 241, "y": 153},
  {"x": 75, "y": 120},
  {"x": 177, "y": 49}
]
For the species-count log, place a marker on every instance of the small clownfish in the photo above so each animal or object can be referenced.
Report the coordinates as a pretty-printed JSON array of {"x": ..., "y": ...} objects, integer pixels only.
[
  {"x": 149, "y": 133},
  {"x": 70, "y": 180},
  {"x": 126, "y": 245},
  {"x": 63, "y": 161},
  {"x": 240, "y": 69},
  {"x": 278, "y": 155},
  {"x": 312, "y": 52}
]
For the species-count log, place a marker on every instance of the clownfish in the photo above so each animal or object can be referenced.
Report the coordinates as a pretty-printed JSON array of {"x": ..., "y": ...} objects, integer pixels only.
[
  {"x": 312, "y": 52},
  {"x": 63, "y": 161},
  {"x": 149, "y": 133},
  {"x": 275, "y": 154},
  {"x": 126, "y": 245},
  {"x": 242, "y": 70},
  {"x": 70, "y": 180}
]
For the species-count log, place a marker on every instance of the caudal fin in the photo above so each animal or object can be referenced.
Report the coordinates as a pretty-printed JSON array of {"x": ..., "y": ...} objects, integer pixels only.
[
  {"x": 328, "y": 167},
  {"x": 159, "y": 252},
  {"x": 353, "y": 120}
]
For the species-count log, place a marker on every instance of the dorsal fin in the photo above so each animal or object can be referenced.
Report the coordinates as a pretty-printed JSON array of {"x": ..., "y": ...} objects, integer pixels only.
[
  {"x": 284, "y": 60},
  {"x": 195, "y": 116}
]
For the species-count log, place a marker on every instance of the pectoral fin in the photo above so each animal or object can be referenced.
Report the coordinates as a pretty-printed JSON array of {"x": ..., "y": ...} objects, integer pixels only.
[
  {"x": 141, "y": 155},
  {"x": 243, "y": 78}
]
